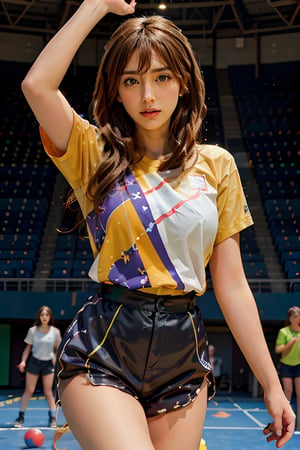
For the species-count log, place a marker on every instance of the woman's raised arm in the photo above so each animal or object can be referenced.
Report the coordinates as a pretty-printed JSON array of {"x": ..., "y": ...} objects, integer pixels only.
[{"x": 41, "y": 84}]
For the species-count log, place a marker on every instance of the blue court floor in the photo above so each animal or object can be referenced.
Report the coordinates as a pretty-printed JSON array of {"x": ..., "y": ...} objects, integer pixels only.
[
  {"x": 236, "y": 423},
  {"x": 232, "y": 423}
]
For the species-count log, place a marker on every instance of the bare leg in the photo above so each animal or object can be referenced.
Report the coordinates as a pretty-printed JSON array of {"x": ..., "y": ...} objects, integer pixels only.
[
  {"x": 103, "y": 417},
  {"x": 297, "y": 389},
  {"x": 47, "y": 387},
  {"x": 30, "y": 385},
  {"x": 182, "y": 428},
  {"x": 287, "y": 384}
]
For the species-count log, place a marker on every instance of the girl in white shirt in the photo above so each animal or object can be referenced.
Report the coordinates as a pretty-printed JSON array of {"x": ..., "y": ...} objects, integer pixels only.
[{"x": 37, "y": 360}]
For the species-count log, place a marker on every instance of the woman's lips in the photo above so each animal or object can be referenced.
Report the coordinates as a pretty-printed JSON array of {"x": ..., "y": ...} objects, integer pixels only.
[{"x": 150, "y": 113}]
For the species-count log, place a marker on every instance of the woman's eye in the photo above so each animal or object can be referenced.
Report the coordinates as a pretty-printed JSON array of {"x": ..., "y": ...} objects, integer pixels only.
[
  {"x": 130, "y": 81},
  {"x": 163, "y": 78}
]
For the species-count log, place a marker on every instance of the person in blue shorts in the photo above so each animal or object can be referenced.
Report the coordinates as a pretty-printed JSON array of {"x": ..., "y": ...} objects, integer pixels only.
[
  {"x": 42, "y": 341},
  {"x": 288, "y": 344},
  {"x": 133, "y": 368}
]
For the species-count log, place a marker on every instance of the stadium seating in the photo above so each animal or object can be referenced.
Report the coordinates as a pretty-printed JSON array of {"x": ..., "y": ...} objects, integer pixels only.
[
  {"x": 267, "y": 112},
  {"x": 269, "y": 116}
]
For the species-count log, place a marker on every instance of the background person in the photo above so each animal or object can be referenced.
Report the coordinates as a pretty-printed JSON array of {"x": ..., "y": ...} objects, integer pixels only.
[
  {"x": 216, "y": 364},
  {"x": 37, "y": 360},
  {"x": 288, "y": 344}
]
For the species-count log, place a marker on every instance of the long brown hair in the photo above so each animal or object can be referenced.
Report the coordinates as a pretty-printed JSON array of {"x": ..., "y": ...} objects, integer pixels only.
[
  {"x": 145, "y": 34},
  {"x": 37, "y": 321},
  {"x": 293, "y": 311}
]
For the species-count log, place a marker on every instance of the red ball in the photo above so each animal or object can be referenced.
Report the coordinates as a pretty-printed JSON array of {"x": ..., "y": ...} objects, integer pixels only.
[{"x": 34, "y": 438}]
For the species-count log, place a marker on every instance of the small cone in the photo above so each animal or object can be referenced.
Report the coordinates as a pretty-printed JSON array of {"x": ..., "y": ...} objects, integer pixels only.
[{"x": 202, "y": 445}]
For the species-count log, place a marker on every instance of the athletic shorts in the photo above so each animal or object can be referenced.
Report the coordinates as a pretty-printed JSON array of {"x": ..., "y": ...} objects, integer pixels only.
[
  {"x": 151, "y": 347},
  {"x": 39, "y": 367},
  {"x": 286, "y": 371}
]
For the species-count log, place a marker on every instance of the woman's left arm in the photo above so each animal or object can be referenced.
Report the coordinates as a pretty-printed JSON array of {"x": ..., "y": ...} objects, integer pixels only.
[{"x": 240, "y": 312}]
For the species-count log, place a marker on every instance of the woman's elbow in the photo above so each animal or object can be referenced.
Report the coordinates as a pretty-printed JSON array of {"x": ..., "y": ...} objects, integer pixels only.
[
  {"x": 28, "y": 86},
  {"x": 32, "y": 87}
]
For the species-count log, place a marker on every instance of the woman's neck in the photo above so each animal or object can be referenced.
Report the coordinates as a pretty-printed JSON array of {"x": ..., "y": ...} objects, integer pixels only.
[
  {"x": 44, "y": 328},
  {"x": 294, "y": 328},
  {"x": 153, "y": 145}
]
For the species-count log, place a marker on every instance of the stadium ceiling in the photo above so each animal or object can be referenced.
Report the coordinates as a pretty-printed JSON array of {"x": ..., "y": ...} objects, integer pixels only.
[{"x": 213, "y": 18}]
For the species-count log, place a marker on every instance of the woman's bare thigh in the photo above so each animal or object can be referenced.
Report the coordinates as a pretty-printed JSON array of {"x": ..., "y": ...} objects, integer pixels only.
[
  {"x": 182, "y": 428},
  {"x": 103, "y": 417}
]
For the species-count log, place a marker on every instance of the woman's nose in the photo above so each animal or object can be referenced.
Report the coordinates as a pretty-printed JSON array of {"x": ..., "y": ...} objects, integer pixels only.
[{"x": 148, "y": 94}]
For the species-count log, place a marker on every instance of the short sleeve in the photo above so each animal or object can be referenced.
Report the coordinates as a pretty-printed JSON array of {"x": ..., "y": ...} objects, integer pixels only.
[
  {"x": 233, "y": 211},
  {"x": 81, "y": 159},
  {"x": 57, "y": 337},
  {"x": 281, "y": 338},
  {"x": 29, "y": 337}
]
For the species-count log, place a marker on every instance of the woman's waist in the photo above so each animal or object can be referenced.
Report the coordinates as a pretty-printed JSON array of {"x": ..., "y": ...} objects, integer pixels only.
[{"x": 181, "y": 302}]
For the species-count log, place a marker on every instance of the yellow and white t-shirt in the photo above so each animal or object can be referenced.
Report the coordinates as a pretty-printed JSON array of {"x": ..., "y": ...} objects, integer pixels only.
[{"x": 155, "y": 230}]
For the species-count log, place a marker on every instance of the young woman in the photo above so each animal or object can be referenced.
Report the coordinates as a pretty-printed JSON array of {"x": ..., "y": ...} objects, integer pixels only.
[
  {"x": 133, "y": 366},
  {"x": 288, "y": 344},
  {"x": 42, "y": 341}
]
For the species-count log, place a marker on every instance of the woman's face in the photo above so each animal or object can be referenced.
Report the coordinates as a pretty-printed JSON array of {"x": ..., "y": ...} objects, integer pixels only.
[
  {"x": 295, "y": 320},
  {"x": 44, "y": 317},
  {"x": 149, "y": 98}
]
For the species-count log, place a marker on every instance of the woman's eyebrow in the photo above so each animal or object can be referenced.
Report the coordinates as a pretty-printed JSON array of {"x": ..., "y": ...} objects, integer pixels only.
[{"x": 136, "y": 72}]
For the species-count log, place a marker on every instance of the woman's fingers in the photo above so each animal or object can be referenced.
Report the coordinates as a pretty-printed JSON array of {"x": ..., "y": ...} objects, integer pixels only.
[
  {"x": 287, "y": 433},
  {"x": 121, "y": 7}
]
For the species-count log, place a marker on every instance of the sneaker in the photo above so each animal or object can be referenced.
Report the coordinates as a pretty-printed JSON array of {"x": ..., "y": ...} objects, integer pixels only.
[
  {"x": 19, "y": 422},
  {"x": 52, "y": 422}
]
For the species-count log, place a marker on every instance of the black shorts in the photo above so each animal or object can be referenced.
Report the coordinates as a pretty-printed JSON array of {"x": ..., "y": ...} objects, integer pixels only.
[
  {"x": 286, "y": 371},
  {"x": 39, "y": 367},
  {"x": 152, "y": 347}
]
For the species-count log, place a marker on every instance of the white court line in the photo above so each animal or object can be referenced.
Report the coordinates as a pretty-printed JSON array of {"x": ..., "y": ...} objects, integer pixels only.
[
  {"x": 249, "y": 415},
  {"x": 221, "y": 409},
  {"x": 241, "y": 428},
  {"x": 4, "y": 410},
  {"x": 237, "y": 407},
  {"x": 255, "y": 420},
  {"x": 234, "y": 409},
  {"x": 233, "y": 428}
]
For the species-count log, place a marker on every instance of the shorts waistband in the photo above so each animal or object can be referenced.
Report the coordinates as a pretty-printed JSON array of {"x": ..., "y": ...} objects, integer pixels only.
[{"x": 152, "y": 302}]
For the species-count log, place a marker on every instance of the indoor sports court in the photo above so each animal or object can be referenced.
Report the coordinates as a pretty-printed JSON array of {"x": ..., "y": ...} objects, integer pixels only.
[
  {"x": 233, "y": 422},
  {"x": 250, "y": 60}
]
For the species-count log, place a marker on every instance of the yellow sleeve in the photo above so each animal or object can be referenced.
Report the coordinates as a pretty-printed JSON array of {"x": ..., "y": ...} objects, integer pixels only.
[
  {"x": 233, "y": 211},
  {"x": 83, "y": 153}
]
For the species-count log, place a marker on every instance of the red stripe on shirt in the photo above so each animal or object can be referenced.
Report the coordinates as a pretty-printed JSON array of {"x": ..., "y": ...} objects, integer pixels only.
[
  {"x": 178, "y": 205},
  {"x": 156, "y": 188}
]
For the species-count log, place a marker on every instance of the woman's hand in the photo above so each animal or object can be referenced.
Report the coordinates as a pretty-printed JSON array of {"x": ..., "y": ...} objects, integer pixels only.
[
  {"x": 283, "y": 426},
  {"x": 120, "y": 7},
  {"x": 21, "y": 366}
]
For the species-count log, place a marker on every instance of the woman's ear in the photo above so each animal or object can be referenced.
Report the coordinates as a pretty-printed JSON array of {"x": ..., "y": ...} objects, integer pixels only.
[{"x": 118, "y": 98}]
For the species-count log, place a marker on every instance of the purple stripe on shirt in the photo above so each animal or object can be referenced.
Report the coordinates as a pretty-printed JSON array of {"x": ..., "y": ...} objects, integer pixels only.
[
  {"x": 129, "y": 271},
  {"x": 97, "y": 222},
  {"x": 143, "y": 210}
]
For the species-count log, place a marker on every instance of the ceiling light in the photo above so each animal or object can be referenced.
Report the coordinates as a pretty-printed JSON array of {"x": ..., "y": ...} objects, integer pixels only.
[{"x": 162, "y": 5}]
